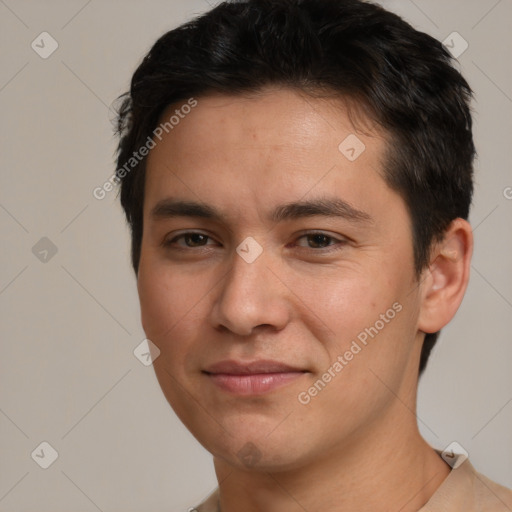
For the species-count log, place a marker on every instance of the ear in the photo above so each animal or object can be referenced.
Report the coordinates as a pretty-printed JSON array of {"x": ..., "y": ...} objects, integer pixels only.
[{"x": 444, "y": 283}]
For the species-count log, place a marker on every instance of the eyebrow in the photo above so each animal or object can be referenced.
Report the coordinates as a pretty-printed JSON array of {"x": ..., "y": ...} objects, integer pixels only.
[{"x": 325, "y": 207}]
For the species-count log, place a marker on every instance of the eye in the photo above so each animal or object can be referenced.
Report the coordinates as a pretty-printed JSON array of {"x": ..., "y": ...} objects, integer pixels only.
[
  {"x": 321, "y": 241},
  {"x": 191, "y": 240}
]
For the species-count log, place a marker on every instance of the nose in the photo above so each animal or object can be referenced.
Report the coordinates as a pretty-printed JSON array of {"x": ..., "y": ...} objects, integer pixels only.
[{"x": 251, "y": 295}]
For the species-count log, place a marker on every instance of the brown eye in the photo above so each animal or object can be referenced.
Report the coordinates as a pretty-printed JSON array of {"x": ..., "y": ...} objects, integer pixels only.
[
  {"x": 191, "y": 240},
  {"x": 320, "y": 241}
]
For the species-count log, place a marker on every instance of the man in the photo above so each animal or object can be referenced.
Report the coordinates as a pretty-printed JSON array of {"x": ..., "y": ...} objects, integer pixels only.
[{"x": 298, "y": 188}]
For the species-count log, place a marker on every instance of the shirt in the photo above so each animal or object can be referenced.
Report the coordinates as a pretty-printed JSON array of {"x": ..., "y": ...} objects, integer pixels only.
[{"x": 463, "y": 490}]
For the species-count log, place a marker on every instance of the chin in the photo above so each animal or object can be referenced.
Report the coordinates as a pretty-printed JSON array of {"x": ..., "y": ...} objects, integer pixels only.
[
  {"x": 258, "y": 458},
  {"x": 249, "y": 449}
]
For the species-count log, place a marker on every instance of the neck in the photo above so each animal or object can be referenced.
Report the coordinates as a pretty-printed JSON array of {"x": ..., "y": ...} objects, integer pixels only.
[{"x": 386, "y": 467}]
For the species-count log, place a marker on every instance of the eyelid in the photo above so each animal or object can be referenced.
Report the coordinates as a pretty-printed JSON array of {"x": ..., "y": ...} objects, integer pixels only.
[{"x": 328, "y": 234}]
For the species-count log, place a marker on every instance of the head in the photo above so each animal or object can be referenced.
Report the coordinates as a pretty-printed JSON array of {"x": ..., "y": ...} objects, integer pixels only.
[{"x": 267, "y": 97}]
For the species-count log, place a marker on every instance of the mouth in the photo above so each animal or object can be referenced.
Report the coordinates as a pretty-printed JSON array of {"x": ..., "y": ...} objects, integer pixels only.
[{"x": 253, "y": 378}]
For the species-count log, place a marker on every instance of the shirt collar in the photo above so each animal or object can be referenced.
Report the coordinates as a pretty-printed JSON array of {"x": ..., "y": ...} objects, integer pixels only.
[{"x": 453, "y": 493}]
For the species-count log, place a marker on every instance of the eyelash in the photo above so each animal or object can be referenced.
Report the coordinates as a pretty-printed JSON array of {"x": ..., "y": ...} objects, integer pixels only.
[{"x": 169, "y": 244}]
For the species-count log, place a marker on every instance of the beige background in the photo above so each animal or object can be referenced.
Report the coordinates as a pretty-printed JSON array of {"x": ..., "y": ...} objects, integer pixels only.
[{"x": 69, "y": 326}]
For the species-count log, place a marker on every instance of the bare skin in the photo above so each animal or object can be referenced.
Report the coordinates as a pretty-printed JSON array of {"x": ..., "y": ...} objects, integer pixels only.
[{"x": 303, "y": 301}]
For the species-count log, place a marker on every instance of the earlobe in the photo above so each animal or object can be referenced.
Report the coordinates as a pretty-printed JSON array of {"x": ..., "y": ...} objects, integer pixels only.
[{"x": 448, "y": 275}]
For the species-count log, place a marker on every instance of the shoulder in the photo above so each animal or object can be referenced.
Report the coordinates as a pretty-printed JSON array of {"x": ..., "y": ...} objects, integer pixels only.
[{"x": 491, "y": 496}]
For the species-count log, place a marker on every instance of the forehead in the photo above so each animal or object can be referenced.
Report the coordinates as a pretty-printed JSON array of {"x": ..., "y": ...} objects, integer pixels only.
[
  {"x": 271, "y": 146},
  {"x": 269, "y": 117}
]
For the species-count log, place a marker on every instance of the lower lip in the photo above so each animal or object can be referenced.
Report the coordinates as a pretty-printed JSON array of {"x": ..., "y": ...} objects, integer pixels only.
[{"x": 254, "y": 384}]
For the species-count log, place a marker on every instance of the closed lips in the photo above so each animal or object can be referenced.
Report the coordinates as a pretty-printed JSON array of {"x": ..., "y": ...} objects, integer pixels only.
[
  {"x": 253, "y": 378},
  {"x": 251, "y": 368}
]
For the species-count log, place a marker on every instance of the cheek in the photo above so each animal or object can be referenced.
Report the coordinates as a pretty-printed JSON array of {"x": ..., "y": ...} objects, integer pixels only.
[
  {"x": 368, "y": 320},
  {"x": 350, "y": 304},
  {"x": 170, "y": 304}
]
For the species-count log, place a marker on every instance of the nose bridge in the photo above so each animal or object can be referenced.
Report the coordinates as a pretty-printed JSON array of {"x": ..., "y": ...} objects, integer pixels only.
[{"x": 250, "y": 294}]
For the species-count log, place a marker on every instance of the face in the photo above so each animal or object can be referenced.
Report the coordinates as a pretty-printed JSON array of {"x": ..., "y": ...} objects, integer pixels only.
[{"x": 284, "y": 300}]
